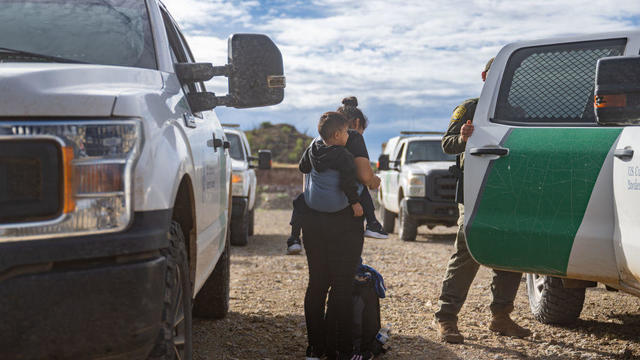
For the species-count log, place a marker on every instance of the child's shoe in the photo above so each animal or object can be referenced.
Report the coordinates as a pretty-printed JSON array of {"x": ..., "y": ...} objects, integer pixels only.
[
  {"x": 294, "y": 246},
  {"x": 375, "y": 231}
]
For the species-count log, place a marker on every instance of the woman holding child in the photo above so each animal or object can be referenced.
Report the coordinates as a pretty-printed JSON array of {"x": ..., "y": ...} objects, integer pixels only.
[{"x": 332, "y": 223}]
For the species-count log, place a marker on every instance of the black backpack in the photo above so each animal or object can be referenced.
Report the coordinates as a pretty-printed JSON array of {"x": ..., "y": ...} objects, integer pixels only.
[{"x": 366, "y": 319}]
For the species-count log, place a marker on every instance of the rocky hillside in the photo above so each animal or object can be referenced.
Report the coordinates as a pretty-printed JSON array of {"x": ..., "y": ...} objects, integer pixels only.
[{"x": 284, "y": 141}]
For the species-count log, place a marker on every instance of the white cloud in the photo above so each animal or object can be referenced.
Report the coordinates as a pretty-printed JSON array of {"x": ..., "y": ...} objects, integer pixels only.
[{"x": 409, "y": 53}]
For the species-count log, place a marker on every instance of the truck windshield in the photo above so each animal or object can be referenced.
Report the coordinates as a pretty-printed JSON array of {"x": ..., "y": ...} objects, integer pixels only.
[
  {"x": 236, "y": 147},
  {"x": 426, "y": 151},
  {"x": 107, "y": 32}
]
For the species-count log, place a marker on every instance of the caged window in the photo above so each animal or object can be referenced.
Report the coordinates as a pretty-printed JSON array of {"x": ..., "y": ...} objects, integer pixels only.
[{"x": 552, "y": 84}]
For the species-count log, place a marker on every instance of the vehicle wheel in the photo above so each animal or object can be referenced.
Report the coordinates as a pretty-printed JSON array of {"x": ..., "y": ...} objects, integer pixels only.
[
  {"x": 240, "y": 230},
  {"x": 408, "y": 227},
  {"x": 551, "y": 303},
  {"x": 212, "y": 301},
  {"x": 252, "y": 216},
  {"x": 388, "y": 219},
  {"x": 175, "y": 340}
]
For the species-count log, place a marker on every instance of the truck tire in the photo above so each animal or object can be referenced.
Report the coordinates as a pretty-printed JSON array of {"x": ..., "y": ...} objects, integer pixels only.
[
  {"x": 240, "y": 230},
  {"x": 252, "y": 216},
  {"x": 175, "y": 340},
  {"x": 388, "y": 219},
  {"x": 212, "y": 302},
  {"x": 408, "y": 227},
  {"x": 551, "y": 303}
]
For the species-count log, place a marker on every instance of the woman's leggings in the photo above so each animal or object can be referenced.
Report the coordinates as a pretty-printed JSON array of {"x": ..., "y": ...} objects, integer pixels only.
[{"x": 333, "y": 244}]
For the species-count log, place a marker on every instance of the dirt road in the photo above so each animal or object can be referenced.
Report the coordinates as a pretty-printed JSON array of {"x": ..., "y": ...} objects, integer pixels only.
[{"x": 267, "y": 287}]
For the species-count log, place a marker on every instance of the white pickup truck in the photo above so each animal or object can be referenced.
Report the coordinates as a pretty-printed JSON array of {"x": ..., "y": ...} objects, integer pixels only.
[
  {"x": 115, "y": 179},
  {"x": 552, "y": 187},
  {"x": 243, "y": 183},
  {"x": 416, "y": 185}
]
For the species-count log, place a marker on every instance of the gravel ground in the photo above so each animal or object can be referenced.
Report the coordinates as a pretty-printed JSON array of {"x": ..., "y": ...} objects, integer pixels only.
[{"x": 266, "y": 318}]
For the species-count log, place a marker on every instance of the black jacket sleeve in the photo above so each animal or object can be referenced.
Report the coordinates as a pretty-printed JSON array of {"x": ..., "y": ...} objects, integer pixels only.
[
  {"x": 305, "y": 161},
  {"x": 348, "y": 176}
]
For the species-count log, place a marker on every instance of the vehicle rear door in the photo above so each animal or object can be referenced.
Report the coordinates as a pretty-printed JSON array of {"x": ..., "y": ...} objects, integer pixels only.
[
  {"x": 626, "y": 188},
  {"x": 538, "y": 193}
]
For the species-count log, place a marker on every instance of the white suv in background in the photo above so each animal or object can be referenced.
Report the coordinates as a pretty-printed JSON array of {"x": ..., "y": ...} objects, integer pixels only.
[
  {"x": 243, "y": 183},
  {"x": 416, "y": 185}
]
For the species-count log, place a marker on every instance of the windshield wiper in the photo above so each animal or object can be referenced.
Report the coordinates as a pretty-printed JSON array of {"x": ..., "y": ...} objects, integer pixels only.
[{"x": 41, "y": 56}]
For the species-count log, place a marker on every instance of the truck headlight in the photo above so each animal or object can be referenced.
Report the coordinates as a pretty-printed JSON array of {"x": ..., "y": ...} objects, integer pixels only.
[
  {"x": 417, "y": 186},
  {"x": 97, "y": 159},
  {"x": 237, "y": 183}
]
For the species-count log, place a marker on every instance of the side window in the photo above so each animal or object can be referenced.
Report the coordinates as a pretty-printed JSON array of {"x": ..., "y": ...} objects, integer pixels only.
[
  {"x": 247, "y": 148},
  {"x": 179, "y": 51},
  {"x": 399, "y": 154},
  {"x": 552, "y": 84}
]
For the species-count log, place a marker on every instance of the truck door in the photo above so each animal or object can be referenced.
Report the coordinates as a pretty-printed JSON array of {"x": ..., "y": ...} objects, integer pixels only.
[
  {"x": 626, "y": 189},
  {"x": 394, "y": 179},
  {"x": 537, "y": 188},
  {"x": 206, "y": 139}
]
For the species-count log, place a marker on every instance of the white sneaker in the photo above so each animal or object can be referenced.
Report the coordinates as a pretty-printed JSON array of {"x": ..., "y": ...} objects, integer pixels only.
[
  {"x": 375, "y": 231},
  {"x": 294, "y": 249}
]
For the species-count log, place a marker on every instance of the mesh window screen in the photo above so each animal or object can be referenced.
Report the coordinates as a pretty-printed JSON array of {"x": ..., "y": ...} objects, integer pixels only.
[{"x": 552, "y": 83}]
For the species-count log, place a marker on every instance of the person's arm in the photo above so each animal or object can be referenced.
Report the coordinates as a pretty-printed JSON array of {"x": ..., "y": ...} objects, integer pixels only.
[
  {"x": 305, "y": 161},
  {"x": 348, "y": 177},
  {"x": 365, "y": 173},
  {"x": 452, "y": 141}
]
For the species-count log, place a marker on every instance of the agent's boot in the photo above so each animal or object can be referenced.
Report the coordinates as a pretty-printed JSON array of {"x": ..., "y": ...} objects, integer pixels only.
[
  {"x": 448, "y": 331},
  {"x": 503, "y": 325}
]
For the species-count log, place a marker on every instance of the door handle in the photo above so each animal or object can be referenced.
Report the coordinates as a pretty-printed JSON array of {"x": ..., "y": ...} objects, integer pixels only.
[
  {"x": 624, "y": 154},
  {"x": 499, "y": 151}
]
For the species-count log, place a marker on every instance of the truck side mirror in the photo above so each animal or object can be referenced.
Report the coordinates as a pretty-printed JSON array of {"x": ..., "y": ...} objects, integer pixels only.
[
  {"x": 255, "y": 72},
  {"x": 383, "y": 162},
  {"x": 257, "y": 75},
  {"x": 617, "y": 91},
  {"x": 264, "y": 159}
]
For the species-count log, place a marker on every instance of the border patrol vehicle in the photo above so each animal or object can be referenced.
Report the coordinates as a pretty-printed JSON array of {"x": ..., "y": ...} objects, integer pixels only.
[
  {"x": 243, "y": 183},
  {"x": 552, "y": 185},
  {"x": 115, "y": 179},
  {"x": 416, "y": 185}
]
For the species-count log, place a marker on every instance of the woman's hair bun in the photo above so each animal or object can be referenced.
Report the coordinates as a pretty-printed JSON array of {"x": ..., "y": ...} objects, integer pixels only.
[{"x": 350, "y": 101}]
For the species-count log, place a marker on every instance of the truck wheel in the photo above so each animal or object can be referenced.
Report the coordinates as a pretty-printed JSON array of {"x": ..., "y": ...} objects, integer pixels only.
[
  {"x": 212, "y": 302},
  {"x": 252, "y": 216},
  {"x": 175, "y": 339},
  {"x": 408, "y": 227},
  {"x": 240, "y": 230},
  {"x": 388, "y": 219},
  {"x": 551, "y": 303}
]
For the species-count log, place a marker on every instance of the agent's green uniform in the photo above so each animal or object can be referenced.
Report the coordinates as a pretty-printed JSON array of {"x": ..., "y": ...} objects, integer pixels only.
[{"x": 462, "y": 269}]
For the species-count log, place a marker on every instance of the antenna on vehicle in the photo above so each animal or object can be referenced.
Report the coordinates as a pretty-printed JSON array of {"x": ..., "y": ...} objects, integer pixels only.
[
  {"x": 231, "y": 125},
  {"x": 421, "y": 133}
]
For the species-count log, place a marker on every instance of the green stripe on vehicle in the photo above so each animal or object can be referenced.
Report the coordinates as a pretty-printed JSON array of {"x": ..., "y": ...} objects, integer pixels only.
[{"x": 534, "y": 199}]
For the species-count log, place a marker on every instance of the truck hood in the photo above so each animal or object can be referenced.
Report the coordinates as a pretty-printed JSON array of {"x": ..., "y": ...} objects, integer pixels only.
[
  {"x": 58, "y": 90},
  {"x": 425, "y": 166}
]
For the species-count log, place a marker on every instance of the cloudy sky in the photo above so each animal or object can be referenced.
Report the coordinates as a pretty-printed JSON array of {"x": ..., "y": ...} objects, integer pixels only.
[{"x": 409, "y": 62}]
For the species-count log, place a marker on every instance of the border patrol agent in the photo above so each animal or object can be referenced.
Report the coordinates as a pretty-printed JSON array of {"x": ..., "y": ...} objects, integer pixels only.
[{"x": 462, "y": 269}]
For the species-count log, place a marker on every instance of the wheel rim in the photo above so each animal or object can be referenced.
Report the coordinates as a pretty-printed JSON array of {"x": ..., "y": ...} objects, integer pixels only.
[
  {"x": 179, "y": 330},
  {"x": 538, "y": 285}
]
